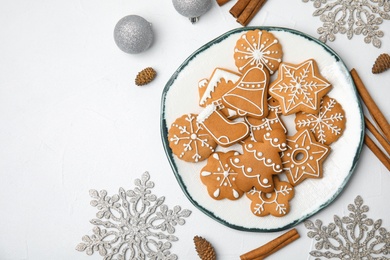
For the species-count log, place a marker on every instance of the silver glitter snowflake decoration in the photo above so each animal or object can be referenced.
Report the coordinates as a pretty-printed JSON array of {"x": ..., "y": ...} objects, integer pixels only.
[
  {"x": 358, "y": 237},
  {"x": 133, "y": 224},
  {"x": 352, "y": 17}
]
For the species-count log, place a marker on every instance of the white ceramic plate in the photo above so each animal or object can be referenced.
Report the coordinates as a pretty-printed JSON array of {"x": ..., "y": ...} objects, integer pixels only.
[{"x": 180, "y": 97}]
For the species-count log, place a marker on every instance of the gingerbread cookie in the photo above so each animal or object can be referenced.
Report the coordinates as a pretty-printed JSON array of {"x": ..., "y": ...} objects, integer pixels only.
[
  {"x": 256, "y": 166},
  {"x": 224, "y": 131},
  {"x": 249, "y": 96},
  {"x": 299, "y": 87},
  {"x": 259, "y": 127},
  {"x": 211, "y": 90},
  {"x": 189, "y": 141},
  {"x": 328, "y": 125},
  {"x": 275, "y": 203},
  {"x": 220, "y": 177},
  {"x": 258, "y": 48},
  {"x": 304, "y": 157}
]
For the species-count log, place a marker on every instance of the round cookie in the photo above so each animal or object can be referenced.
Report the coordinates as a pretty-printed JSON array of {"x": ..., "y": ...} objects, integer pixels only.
[
  {"x": 299, "y": 87},
  {"x": 220, "y": 177},
  {"x": 328, "y": 125},
  {"x": 258, "y": 48},
  {"x": 275, "y": 203},
  {"x": 189, "y": 141},
  {"x": 303, "y": 157}
]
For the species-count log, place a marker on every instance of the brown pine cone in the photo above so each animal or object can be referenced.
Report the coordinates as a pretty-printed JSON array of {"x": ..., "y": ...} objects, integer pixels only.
[
  {"x": 204, "y": 249},
  {"x": 381, "y": 64},
  {"x": 145, "y": 76}
]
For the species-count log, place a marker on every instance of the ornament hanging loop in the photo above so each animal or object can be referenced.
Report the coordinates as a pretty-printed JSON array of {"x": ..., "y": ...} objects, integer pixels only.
[{"x": 193, "y": 19}]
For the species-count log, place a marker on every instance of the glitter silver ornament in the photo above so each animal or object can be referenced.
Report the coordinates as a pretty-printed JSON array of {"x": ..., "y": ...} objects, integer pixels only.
[
  {"x": 192, "y": 8},
  {"x": 133, "y": 34}
]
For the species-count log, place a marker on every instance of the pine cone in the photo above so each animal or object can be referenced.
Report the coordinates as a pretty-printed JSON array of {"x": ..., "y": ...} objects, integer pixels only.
[
  {"x": 381, "y": 64},
  {"x": 204, "y": 249},
  {"x": 145, "y": 76}
]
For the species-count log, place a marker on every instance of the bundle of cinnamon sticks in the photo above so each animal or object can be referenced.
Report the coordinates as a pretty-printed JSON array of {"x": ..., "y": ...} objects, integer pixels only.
[
  {"x": 382, "y": 131},
  {"x": 244, "y": 10}
]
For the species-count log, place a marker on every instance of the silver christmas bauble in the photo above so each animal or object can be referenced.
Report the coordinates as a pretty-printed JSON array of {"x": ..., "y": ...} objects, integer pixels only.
[
  {"x": 192, "y": 8},
  {"x": 133, "y": 34}
]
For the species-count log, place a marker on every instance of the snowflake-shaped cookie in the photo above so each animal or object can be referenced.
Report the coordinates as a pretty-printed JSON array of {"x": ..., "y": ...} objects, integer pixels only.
[
  {"x": 133, "y": 224},
  {"x": 352, "y": 17},
  {"x": 275, "y": 203},
  {"x": 356, "y": 236},
  {"x": 189, "y": 141},
  {"x": 304, "y": 157},
  {"x": 299, "y": 87},
  {"x": 258, "y": 48},
  {"x": 328, "y": 124},
  {"x": 220, "y": 177}
]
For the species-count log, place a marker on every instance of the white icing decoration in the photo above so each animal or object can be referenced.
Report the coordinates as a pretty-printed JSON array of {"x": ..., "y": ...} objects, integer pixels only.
[
  {"x": 191, "y": 137},
  {"x": 324, "y": 121},
  {"x": 205, "y": 173},
  {"x": 215, "y": 79},
  {"x": 311, "y": 159},
  {"x": 259, "y": 157},
  {"x": 255, "y": 94},
  {"x": 293, "y": 86},
  {"x": 258, "y": 54},
  {"x": 282, "y": 191}
]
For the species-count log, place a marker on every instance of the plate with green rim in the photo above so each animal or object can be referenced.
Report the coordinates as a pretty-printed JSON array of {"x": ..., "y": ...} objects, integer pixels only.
[{"x": 180, "y": 97}]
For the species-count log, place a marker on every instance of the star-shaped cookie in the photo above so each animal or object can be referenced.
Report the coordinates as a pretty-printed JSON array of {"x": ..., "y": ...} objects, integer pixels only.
[
  {"x": 304, "y": 157},
  {"x": 299, "y": 87}
]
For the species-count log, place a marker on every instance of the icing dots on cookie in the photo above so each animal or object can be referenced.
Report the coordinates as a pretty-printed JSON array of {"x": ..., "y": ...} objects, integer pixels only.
[
  {"x": 258, "y": 48},
  {"x": 275, "y": 202},
  {"x": 220, "y": 177},
  {"x": 258, "y": 163},
  {"x": 303, "y": 157},
  {"x": 189, "y": 141},
  {"x": 328, "y": 125},
  {"x": 299, "y": 87},
  {"x": 259, "y": 127}
]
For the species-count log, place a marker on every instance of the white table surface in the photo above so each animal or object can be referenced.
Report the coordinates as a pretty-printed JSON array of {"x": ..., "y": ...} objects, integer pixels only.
[{"x": 71, "y": 120}]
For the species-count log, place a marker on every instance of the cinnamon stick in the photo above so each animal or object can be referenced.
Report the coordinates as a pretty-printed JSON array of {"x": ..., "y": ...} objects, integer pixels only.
[
  {"x": 272, "y": 246},
  {"x": 375, "y": 112},
  {"x": 250, "y": 11},
  {"x": 378, "y": 152},
  {"x": 382, "y": 141},
  {"x": 237, "y": 9},
  {"x": 222, "y": 2}
]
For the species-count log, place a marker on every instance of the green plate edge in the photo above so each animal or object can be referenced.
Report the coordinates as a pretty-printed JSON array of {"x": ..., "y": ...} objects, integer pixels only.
[{"x": 168, "y": 151}]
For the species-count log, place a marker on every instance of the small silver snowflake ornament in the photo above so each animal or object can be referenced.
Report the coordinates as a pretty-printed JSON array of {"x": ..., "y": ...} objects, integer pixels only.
[
  {"x": 133, "y": 224},
  {"x": 358, "y": 237},
  {"x": 352, "y": 17}
]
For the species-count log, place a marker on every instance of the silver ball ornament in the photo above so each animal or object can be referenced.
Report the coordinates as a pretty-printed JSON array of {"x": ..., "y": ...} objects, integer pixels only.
[
  {"x": 133, "y": 34},
  {"x": 192, "y": 8}
]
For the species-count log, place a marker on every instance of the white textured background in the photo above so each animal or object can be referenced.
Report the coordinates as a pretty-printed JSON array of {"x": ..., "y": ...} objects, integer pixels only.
[{"x": 71, "y": 119}]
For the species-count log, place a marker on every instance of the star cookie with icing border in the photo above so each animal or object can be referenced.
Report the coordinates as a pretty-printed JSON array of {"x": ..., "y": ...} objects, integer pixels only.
[
  {"x": 303, "y": 157},
  {"x": 299, "y": 87}
]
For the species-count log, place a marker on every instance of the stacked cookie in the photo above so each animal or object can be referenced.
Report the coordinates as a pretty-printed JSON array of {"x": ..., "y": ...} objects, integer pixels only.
[{"x": 240, "y": 131}]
